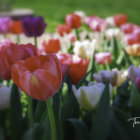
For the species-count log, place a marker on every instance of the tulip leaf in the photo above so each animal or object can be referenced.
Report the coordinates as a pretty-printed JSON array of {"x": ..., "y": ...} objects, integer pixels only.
[
  {"x": 76, "y": 130},
  {"x": 57, "y": 115},
  {"x": 1, "y": 134},
  {"x": 15, "y": 114},
  {"x": 101, "y": 121},
  {"x": 135, "y": 97},
  {"x": 128, "y": 60}
]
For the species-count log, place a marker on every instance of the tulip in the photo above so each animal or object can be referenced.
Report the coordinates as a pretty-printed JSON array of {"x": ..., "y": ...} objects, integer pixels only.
[
  {"x": 104, "y": 75},
  {"x": 110, "y": 21},
  {"x": 85, "y": 49},
  {"x": 103, "y": 57},
  {"x": 63, "y": 29},
  {"x": 133, "y": 72},
  {"x": 81, "y": 14},
  {"x": 5, "y": 25},
  {"x": 77, "y": 66},
  {"x": 64, "y": 68},
  {"x": 51, "y": 46},
  {"x": 113, "y": 32},
  {"x": 133, "y": 50},
  {"x": 88, "y": 96},
  {"x": 98, "y": 24},
  {"x": 5, "y": 42},
  {"x": 73, "y": 20},
  {"x": 11, "y": 54},
  {"x": 72, "y": 37},
  {"x": 131, "y": 39},
  {"x": 33, "y": 26},
  {"x": 128, "y": 28},
  {"x": 39, "y": 76},
  {"x": 120, "y": 19},
  {"x": 4, "y": 97},
  {"x": 137, "y": 81},
  {"x": 89, "y": 19},
  {"x": 16, "y": 27}
]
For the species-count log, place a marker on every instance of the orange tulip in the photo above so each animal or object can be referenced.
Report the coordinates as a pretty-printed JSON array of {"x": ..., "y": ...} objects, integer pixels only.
[
  {"x": 10, "y": 54},
  {"x": 78, "y": 66},
  {"x": 39, "y": 76},
  {"x": 63, "y": 29},
  {"x": 120, "y": 19},
  {"x": 73, "y": 20},
  {"x": 16, "y": 27},
  {"x": 51, "y": 46}
]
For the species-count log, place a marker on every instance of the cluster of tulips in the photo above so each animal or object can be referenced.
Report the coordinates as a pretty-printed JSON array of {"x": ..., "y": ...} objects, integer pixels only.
[{"x": 75, "y": 83}]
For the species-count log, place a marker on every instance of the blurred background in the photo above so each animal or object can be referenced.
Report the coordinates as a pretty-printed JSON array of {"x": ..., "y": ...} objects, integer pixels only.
[{"x": 54, "y": 11}]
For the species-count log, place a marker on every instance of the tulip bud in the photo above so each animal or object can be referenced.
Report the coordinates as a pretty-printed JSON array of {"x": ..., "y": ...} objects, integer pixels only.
[
  {"x": 104, "y": 75},
  {"x": 89, "y": 96},
  {"x": 133, "y": 72},
  {"x": 4, "y": 97}
]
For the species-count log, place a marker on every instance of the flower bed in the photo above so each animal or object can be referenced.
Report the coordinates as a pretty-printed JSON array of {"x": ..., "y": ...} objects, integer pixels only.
[{"x": 77, "y": 83}]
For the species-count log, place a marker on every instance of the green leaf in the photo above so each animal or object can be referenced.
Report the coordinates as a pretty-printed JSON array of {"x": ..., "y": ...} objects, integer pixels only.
[
  {"x": 15, "y": 114},
  {"x": 76, "y": 130},
  {"x": 101, "y": 122},
  {"x": 1, "y": 134},
  {"x": 135, "y": 97},
  {"x": 57, "y": 115}
]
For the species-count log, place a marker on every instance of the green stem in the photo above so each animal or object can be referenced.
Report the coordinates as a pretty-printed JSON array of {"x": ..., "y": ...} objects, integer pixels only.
[
  {"x": 77, "y": 34},
  {"x": 52, "y": 119},
  {"x": 30, "y": 113},
  {"x": 35, "y": 40},
  {"x": 18, "y": 38}
]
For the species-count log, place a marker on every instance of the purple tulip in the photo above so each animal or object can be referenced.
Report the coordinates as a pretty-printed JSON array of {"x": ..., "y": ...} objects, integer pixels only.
[
  {"x": 33, "y": 26},
  {"x": 137, "y": 81},
  {"x": 5, "y": 25}
]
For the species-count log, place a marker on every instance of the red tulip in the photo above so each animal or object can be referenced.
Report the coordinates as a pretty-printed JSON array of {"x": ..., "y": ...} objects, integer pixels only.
[
  {"x": 11, "y": 54},
  {"x": 137, "y": 81},
  {"x": 78, "y": 66},
  {"x": 63, "y": 29},
  {"x": 103, "y": 57},
  {"x": 73, "y": 20},
  {"x": 120, "y": 19},
  {"x": 16, "y": 27},
  {"x": 64, "y": 68},
  {"x": 39, "y": 76},
  {"x": 51, "y": 46}
]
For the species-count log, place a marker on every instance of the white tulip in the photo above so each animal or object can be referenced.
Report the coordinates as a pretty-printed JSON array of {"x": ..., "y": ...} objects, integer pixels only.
[
  {"x": 85, "y": 49},
  {"x": 89, "y": 96}
]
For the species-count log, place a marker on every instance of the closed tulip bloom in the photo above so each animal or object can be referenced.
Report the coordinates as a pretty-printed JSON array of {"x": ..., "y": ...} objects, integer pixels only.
[
  {"x": 39, "y": 76},
  {"x": 88, "y": 96},
  {"x": 73, "y": 20},
  {"x": 137, "y": 82},
  {"x": 77, "y": 66},
  {"x": 98, "y": 24},
  {"x": 128, "y": 28},
  {"x": 103, "y": 57},
  {"x": 4, "y": 97},
  {"x": 5, "y": 25},
  {"x": 64, "y": 68},
  {"x": 131, "y": 39},
  {"x": 104, "y": 75},
  {"x": 16, "y": 27},
  {"x": 85, "y": 49},
  {"x": 63, "y": 29},
  {"x": 11, "y": 54},
  {"x": 51, "y": 45},
  {"x": 120, "y": 19},
  {"x": 133, "y": 72},
  {"x": 89, "y": 19},
  {"x": 133, "y": 50},
  {"x": 33, "y": 26}
]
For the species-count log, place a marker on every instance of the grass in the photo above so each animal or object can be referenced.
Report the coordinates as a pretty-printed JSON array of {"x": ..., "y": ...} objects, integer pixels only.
[{"x": 54, "y": 11}]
